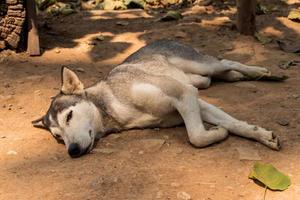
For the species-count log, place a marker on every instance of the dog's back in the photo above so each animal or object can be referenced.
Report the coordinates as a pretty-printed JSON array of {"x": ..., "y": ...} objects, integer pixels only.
[{"x": 167, "y": 48}]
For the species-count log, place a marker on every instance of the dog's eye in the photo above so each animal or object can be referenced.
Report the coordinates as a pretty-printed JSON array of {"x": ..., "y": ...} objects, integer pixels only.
[
  {"x": 69, "y": 116},
  {"x": 57, "y": 136}
]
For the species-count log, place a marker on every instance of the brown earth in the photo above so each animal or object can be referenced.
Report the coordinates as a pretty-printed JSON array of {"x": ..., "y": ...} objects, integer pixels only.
[{"x": 127, "y": 165}]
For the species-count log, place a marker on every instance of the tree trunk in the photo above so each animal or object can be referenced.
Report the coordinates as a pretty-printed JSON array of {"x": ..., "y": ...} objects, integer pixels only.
[{"x": 246, "y": 16}]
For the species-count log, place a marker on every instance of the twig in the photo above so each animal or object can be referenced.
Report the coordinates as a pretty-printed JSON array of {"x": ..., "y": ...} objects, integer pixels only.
[{"x": 266, "y": 188}]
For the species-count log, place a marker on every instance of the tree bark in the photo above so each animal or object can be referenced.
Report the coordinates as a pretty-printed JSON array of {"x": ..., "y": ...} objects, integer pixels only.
[{"x": 246, "y": 16}]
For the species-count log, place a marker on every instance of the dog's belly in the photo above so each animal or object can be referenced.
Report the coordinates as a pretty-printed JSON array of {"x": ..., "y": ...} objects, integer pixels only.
[{"x": 146, "y": 120}]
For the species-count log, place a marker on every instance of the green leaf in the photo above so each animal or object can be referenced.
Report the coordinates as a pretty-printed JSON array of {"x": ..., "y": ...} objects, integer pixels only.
[
  {"x": 294, "y": 15},
  {"x": 262, "y": 39},
  {"x": 171, "y": 15},
  {"x": 270, "y": 176}
]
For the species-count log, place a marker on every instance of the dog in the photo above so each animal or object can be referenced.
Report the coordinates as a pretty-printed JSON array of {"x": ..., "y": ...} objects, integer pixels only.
[{"x": 157, "y": 86}]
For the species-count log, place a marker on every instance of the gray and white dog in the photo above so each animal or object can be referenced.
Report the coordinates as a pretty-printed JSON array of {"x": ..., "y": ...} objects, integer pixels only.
[{"x": 154, "y": 87}]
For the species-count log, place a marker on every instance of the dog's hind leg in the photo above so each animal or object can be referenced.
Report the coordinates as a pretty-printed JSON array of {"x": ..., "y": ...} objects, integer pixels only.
[
  {"x": 198, "y": 81},
  {"x": 231, "y": 76},
  {"x": 249, "y": 72},
  {"x": 225, "y": 69},
  {"x": 188, "y": 107},
  {"x": 214, "y": 115}
]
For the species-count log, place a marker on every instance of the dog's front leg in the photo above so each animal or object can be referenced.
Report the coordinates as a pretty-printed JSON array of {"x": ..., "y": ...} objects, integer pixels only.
[
  {"x": 214, "y": 115},
  {"x": 189, "y": 109}
]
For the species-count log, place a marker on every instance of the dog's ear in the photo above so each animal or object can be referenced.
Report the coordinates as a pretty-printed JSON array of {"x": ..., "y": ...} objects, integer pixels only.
[
  {"x": 39, "y": 123},
  {"x": 70, "y": 82}
]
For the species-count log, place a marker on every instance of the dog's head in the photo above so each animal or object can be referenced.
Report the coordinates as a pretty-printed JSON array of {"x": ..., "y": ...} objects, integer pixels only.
[{"x": 72, "y": 118}]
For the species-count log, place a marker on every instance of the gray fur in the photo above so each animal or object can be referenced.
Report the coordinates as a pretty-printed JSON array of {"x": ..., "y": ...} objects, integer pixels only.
[{"x": 154, "y": 87}]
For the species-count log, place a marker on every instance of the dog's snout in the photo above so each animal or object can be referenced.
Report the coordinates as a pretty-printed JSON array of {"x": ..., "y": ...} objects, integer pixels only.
[{"x": 74, "y": 150}]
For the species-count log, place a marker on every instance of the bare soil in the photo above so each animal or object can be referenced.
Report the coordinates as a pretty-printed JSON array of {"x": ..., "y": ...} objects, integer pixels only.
[{"x": 34, "y": 166}]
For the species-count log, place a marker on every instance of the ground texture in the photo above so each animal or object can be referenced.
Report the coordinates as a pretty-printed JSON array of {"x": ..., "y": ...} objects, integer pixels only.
[{"x": 147, "y": 164}]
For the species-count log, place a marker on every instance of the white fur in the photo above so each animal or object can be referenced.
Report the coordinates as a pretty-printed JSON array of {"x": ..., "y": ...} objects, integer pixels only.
[{"x": 85, "y": 118}]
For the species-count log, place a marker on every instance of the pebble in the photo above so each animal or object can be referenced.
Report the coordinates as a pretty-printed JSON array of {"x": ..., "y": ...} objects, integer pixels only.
[
  {"x": 57, "y": 51},
  {"x": 11, "y": 152},
  {"x": 100, "y": 38},
  {"x": 3, "y": 136},
  {"x": 283, "y": 122},
  {"x": 122, "y": 23},
  {"x": 183, "y": 196}
]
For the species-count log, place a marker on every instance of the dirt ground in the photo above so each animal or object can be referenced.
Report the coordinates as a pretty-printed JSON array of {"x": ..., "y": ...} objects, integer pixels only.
[{"x": 147, "y": 164}]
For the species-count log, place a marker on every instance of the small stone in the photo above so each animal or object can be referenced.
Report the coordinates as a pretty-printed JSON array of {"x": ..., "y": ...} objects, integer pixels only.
[
  {"x": 57, "y": 51},
  {"x": 20, "y": 107},
  {"x": 283, "y": 122},
  {"x": 79, "y": 69},
  {"x": 100, "y": 38},
  {"x": 11, "y": 152},
  {"x": 183, "y": 196},
  {"x": 23, "y": 112},
  {"x": 3, "y": 136},
  {"x": 122, "y": 23},
  {"x": 10, "y": 105},
  {"x": 6, "y": 85}
]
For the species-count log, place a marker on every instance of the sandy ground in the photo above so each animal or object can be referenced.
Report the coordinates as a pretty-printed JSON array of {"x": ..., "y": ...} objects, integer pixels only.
[{"x": 146, "y": 164}]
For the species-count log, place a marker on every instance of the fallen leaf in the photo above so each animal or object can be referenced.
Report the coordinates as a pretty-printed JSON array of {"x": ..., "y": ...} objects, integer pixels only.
[
  {"x": 270, "y": 176},
  {"x": 171, "y": 15},
  {"x": 262, "y": 39},
  {"x": 294, "y": 15}
]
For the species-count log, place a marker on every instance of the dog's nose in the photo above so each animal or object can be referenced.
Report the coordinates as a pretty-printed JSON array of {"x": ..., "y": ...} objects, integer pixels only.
[{"x": 74, "y": 150}]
